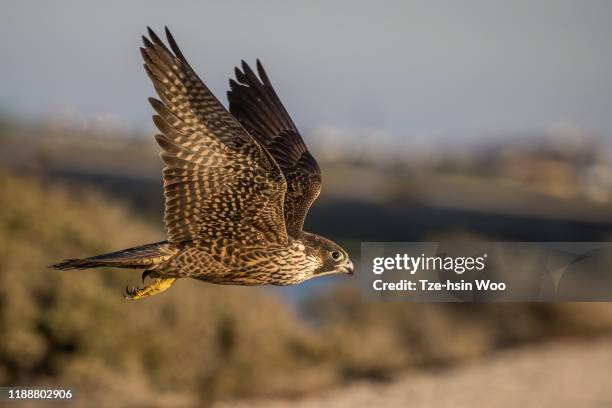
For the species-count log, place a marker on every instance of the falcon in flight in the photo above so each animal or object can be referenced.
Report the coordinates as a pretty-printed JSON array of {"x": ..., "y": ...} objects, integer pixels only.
[{"x": 237, "y": 185}]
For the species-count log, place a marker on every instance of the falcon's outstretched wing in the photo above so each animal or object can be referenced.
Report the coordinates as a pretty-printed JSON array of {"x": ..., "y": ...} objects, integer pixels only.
[
  {"x": 219, "y": 183},
  {"x": 255, "y": 104}
]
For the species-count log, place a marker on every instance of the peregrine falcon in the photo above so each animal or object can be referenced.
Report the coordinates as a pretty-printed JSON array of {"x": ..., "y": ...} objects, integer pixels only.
[{"x": 237, "y": 185}]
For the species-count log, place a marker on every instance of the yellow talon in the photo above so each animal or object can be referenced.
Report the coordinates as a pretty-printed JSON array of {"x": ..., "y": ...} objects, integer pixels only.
[{"x": 158, "y": 286}]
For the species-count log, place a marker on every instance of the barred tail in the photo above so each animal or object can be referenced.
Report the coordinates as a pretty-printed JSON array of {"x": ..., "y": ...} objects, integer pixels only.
[{"x": 144, "y": 256}]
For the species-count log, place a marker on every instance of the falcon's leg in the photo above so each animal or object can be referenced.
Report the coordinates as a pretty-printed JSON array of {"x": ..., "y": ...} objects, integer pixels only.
[{"x": 158, "y": 286}]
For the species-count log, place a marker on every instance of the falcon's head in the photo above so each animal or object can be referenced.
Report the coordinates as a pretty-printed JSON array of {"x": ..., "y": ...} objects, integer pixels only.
[{"x": 333, "y": 258}]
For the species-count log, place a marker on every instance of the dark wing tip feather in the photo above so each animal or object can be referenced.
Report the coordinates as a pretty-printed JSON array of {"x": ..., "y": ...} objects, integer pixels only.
[
  {"x": 254, "y": 80},
  {"x": 155, "y": 103},
  {"x": 262, "y": 74},
  {"x": 233, "y": 84},
  {"x": 146, "y": 42},
  {"x": 173, "y": 45},
  {"x": 160, "y": 124},
  {"x": 153, "y": 36},
  {"x": 240, "y": 76},
  {"x": 157, "y": 43},
  {"x": 167, "y": 145}
]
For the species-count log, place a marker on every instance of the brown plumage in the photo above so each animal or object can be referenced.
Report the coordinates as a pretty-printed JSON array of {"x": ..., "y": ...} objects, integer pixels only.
[{"x": 237, "y": 185}]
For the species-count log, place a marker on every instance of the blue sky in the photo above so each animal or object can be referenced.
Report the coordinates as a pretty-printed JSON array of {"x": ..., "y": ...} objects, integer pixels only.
[{"x": 411, "y": 69}]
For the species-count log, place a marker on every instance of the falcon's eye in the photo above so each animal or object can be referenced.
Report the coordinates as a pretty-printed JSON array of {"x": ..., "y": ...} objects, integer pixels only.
[{"x": 336, "y": 255}]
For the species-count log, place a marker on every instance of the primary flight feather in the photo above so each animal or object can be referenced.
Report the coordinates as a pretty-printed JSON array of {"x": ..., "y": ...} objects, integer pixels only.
[{"x": 237, "y": 185}]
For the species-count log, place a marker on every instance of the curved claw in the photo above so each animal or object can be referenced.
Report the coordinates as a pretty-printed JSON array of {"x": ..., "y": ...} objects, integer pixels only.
[
  {"x": 159, "y": 285},
  {"x": 130, "y": 292}
]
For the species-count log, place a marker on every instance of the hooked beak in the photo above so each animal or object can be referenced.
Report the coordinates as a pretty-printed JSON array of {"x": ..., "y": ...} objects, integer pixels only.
[{"x": 348, "y": 268}]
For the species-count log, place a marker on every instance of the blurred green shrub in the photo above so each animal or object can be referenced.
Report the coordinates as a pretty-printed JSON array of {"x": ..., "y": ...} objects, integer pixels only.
[{"x": 198, "y": 343}]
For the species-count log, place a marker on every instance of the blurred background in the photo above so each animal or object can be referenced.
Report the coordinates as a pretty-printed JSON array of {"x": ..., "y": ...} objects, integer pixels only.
[{"x": 479, "y": 120}]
